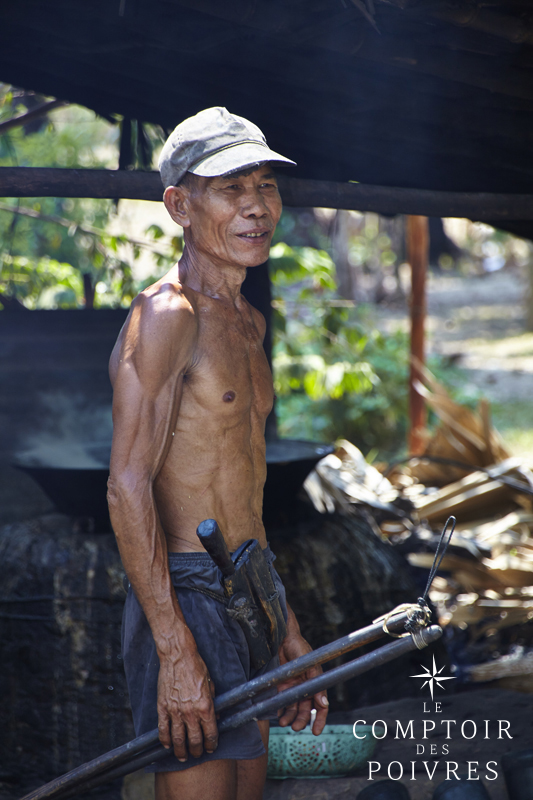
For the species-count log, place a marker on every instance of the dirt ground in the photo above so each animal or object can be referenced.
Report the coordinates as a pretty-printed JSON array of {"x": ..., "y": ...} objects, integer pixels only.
[
  {"x": 482, "y": 320},
  {"x": 479, "y": 324}
]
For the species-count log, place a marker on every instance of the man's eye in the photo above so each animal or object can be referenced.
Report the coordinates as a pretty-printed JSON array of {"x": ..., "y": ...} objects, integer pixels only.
[{"x": 268, "y": 186}]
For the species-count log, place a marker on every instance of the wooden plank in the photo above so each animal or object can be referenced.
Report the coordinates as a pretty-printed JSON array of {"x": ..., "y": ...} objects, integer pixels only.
[
  {"x": 484, "y": 531},
  {"x": 503, "y": 667},
  {"x": 470, "y": 574},
  {"x": 296, "y": 192},
  {"x": 474, "y": 479},
  {"x": 467, "y": 502}
]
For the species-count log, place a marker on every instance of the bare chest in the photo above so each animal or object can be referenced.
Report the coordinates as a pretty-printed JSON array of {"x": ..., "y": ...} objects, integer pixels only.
[{"x": 230, "y": 376}]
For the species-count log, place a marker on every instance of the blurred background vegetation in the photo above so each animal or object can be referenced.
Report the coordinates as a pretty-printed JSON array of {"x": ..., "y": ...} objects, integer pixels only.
[
  {"x": 63, "y": 252},
  {"x": 338, "y": 370}
]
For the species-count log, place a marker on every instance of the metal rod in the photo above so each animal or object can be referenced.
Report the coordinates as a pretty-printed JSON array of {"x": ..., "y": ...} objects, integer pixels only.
[
  {"x": 376, "y": 658},
  {"x": 136, "y": 763},
  {"x": 247, "y": 691},
  {"x": 358, "y": 666},
  {"x": 111, "y": 770},
  {"x": 319, "y": 656},
  {"x": 60, "y": 787},
  {"x": 299, "y": 192}
]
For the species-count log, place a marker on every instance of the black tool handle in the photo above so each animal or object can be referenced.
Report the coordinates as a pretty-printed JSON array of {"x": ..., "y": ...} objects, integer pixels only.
[{"x": 211, "y": 537}]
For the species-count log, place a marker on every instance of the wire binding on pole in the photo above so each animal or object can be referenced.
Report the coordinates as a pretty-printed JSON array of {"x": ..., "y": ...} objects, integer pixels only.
[{"x": 419, "y": 614}]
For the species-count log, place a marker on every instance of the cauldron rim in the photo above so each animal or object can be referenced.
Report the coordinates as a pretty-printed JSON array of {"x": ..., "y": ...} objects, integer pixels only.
[{"x": 314, "y": 451}]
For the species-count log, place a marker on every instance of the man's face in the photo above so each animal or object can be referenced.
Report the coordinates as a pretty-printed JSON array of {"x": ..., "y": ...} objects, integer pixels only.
[{"x": 232, "y": 219}]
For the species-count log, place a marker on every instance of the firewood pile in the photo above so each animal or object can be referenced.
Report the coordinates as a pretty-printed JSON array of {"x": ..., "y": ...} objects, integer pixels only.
[{"x": 483, "y": 595}]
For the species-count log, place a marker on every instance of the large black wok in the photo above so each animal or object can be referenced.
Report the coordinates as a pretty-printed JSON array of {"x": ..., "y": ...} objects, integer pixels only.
[{"x": 81, "y": 492}]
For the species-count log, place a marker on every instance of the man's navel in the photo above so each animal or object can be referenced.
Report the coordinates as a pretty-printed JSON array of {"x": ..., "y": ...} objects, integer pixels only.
[{"x": 229, "y": 397}]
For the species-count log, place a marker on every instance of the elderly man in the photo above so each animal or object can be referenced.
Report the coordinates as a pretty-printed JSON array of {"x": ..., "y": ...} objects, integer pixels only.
[{"x": 192, "y": 391}]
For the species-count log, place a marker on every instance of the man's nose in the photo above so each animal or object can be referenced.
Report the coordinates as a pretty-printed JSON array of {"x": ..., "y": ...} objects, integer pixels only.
[{"x": 254, "y": 204}]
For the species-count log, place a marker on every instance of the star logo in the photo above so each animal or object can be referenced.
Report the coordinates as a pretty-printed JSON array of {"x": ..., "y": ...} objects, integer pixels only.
[{"x": 433, "y": 677}]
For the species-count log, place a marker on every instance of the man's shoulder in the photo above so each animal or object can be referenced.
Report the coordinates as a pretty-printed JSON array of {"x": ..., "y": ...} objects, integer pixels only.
[
  {"x": 161, "y": 326},
  {"x": 165, "y": 302}
]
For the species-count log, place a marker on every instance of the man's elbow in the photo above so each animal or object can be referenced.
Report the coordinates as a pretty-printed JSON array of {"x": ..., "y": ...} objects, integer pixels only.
[{"x": 127, "y": 492}]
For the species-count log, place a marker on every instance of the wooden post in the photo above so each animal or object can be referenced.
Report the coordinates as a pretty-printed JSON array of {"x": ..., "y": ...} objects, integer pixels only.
[{"x": 417, "y": 236}]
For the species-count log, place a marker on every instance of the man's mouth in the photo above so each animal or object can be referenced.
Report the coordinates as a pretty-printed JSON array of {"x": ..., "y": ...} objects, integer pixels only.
[{"x": 253, "y": 235}]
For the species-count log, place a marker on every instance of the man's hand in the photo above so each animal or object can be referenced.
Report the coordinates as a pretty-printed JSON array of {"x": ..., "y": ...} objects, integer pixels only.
[
  {"x": 185, "y": 708},
  {"x": 298, "y": 715}
]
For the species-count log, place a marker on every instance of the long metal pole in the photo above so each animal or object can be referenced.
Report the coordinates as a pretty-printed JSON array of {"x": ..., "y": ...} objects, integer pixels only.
[
  {"x": 319, "y": 656},
  {"x": 123, "y": 754},
  {"x": 358, "y": 666}
]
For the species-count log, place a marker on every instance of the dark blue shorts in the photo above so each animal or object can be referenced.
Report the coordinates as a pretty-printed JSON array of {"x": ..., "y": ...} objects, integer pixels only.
[{"x": 221, "y": 644}]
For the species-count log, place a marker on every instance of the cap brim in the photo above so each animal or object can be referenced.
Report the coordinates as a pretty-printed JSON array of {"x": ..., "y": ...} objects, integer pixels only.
[{"x": 239, "y": 157}]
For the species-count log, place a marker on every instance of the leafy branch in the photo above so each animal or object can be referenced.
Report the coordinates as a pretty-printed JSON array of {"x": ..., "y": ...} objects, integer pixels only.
[{"x": 74, "y": 227}]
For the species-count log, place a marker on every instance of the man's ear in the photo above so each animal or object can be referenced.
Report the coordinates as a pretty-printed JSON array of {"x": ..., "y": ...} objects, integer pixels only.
[{"x": 175, "y": 199}]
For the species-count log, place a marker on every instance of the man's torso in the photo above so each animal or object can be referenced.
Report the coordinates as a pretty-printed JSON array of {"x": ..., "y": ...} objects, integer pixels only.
[{"x": 215, "y": 466}]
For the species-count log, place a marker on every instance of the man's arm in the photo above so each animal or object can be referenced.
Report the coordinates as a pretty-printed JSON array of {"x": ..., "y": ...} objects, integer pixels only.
[{"x": 157, "y": 347}]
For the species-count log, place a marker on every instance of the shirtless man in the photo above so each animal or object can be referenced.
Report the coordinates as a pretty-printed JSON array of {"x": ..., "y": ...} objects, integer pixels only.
[{"x": 192, "y": 391}]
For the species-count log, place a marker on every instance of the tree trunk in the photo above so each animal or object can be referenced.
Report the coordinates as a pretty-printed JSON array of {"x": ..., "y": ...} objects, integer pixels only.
[{"x": 340, "y": 238}]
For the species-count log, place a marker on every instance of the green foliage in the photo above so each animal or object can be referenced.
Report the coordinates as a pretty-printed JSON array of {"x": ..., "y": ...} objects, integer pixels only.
[
  {"x": 69, "y": 235},
  {"x": 80, "y": 141},
  {"x": 44, "y": 283},
  {"x": 333, "y": 373}
]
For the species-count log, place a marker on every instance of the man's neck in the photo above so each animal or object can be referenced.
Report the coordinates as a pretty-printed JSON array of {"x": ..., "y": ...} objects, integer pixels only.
[{"x": 219, "y": 280}]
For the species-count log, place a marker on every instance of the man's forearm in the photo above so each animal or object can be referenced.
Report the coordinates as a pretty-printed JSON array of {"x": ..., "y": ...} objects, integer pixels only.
[
  {"x": 144, "y": 554},
  {"x": 186, "y": 717}
]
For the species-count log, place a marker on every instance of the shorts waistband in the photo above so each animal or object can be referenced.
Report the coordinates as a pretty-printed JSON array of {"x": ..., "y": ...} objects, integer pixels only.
[
  {"x": 198, "y": 559},
  {"x": 204, "y": 559},
  {"x": 199, "y": 569}
]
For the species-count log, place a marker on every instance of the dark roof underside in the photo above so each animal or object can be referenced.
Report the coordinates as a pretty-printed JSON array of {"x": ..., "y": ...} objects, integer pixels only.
[{"x": 440, "y": 98}]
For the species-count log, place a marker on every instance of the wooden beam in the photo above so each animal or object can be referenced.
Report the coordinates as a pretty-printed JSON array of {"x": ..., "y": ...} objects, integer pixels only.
[
  {"x": 99, "y": 183},
  {"x": 296, "y": 192},
  {"x": 396, "y": 200}
]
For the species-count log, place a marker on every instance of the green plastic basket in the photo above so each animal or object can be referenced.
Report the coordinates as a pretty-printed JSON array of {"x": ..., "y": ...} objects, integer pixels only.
[{"x": 334, "y": 754}]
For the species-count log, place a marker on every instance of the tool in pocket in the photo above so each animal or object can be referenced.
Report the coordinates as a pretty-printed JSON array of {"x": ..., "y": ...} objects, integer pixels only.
[{"x": 250, "y": 596}]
